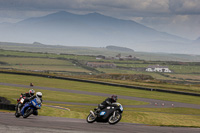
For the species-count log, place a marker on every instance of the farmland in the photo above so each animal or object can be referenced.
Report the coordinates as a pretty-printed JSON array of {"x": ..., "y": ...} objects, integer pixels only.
[
  {"x": 75, "y": 65},
  {"x": 174, "y": 116},
  {"x": 185, "y": 77}
]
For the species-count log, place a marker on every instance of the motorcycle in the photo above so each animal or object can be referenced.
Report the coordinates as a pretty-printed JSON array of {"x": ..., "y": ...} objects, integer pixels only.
[
  {"x": 29, "y": 108},
  {"x": 20, "y": 102},
  {"x": 111, "y": 114}
]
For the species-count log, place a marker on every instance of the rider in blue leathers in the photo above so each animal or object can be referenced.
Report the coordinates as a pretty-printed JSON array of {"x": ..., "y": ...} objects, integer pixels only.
[{"x": 27, "y": 96}]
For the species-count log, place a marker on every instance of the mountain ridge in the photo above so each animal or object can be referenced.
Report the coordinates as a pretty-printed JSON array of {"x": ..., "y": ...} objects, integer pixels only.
[{"x": 93, "y": 29}]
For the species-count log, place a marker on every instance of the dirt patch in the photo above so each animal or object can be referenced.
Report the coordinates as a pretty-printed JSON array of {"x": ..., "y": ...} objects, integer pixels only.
[
  {"x": 4, "y": 100},
  {"x": 130, "y": 77}
]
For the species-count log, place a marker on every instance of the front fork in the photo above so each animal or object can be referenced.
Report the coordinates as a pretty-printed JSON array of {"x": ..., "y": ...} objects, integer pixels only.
[
  {"x": 113, "y": 114},
  {"x": 17, "y": 107},
  {"x": 92, "y": 113}
]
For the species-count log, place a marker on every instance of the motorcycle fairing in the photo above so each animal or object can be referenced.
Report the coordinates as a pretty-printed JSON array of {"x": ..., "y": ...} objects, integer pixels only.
[
  {"x": 26, "y": 106},
  {"x": 35, "y": 103},
  {"x": 104, "y": 114}
]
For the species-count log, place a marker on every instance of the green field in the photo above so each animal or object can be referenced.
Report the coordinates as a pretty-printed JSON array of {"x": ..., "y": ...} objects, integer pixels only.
[
  {"x": 184, "y": 78},
  {"x": 64, "y": 62},
  {"x": 152, "y": 116},
  {"x": 83, "y": 86},
  {"x": 56, "y": 49},
  {"x": 71, "y": 62},
  {"x": 76, "y": 65},
  {"x": 40, "y": 64}
]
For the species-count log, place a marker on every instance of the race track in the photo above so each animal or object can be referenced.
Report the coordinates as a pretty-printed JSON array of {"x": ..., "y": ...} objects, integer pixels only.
[
  {"x": 37, "y": 124},
  {"x": 44, "y": 124},
  {"x": 153, "y": 103}
]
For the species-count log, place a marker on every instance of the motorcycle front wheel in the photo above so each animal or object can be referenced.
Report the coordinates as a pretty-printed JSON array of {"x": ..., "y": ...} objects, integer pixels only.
[
  {"x": 113, "y": 120},
  {"x": 16, "y": 111},
  {"x": 27, "y": 113},
  {"x": 91, "y": 118},
  {"x": 17, "y": 114}
]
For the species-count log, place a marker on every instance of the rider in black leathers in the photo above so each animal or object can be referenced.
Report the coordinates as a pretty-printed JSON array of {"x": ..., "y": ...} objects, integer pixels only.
[{"x": 107, "y": 102}]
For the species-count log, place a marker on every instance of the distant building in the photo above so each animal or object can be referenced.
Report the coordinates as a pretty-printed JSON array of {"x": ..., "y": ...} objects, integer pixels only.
[
  {"x": 99, "y": 57},
  {"x": 158, "y": 68},
  {"x": 130, "y": 57},
  {"x": 101, "y": 64},
  {"x": 119, "y": 57}
]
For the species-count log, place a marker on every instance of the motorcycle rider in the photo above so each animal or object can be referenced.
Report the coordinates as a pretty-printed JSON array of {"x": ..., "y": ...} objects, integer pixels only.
[
  {"x": 26, "y": 97},
  {"x": 107, "y": 102},
  {"x": 38, "y": 95},
  {"x": 31, "y": 84}
]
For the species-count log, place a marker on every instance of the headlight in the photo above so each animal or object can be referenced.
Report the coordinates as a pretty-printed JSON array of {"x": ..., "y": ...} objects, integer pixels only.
[
  {"x": 121, "y": 108},
  {"x": 38, "y": 106}
]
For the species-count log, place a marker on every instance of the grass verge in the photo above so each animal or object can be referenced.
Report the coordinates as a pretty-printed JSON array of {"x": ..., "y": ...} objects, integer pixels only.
[{"x": 151, "y": 116}]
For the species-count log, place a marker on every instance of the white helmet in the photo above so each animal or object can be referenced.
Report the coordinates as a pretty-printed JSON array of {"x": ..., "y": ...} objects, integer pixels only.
[{"x": 39, "y": 94}]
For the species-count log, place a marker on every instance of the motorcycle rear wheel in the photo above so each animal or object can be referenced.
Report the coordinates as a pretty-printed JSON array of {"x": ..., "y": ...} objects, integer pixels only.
[
  {"x": 28, "y": 113},
  {"x": 113, "y": 120},
  {"x": 91, "y": 118}
]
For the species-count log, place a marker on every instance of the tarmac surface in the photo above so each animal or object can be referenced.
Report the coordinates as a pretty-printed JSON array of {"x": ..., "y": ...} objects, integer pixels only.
[
  {"x": 45, "y": 124},
  {"x": 37, "y": 124}
]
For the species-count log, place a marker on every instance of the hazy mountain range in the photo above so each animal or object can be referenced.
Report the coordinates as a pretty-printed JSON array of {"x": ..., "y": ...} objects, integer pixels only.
[{"x": 96, "y": 30}]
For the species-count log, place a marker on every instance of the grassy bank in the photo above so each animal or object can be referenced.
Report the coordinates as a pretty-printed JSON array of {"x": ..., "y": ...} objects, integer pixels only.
[
  {"x": 151, "y": 116},
  {"x": 74, "y": 85}
]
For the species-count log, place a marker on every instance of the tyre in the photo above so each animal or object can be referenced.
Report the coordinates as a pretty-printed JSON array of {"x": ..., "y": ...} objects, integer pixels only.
[
  {"x": 35, "y": 112},
  {"x": 91, "y": 118},
  {"x": 16, "y": 111},
  {"x": 113, "y": 120},
  {"x": 27, "y": 113},
  {"x": 17, "y": 114}
]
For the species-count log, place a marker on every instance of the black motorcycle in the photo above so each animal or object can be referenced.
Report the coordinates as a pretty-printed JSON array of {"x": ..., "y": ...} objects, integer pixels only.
[{"x": 111, "y": 114}]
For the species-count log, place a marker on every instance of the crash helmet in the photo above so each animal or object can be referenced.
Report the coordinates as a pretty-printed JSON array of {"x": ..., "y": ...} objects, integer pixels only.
[
  {"x": 114, "y": 98},
  {"x": 31, "y": 92},
  {"x": 39, "y": 94}
]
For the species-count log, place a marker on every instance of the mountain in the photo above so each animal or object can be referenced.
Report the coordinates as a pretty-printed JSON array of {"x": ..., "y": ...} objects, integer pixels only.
[
  {"x": 94, "y": 29},
  {"x": 197, "y": 40},
  {"x": 116, "y": 48}
]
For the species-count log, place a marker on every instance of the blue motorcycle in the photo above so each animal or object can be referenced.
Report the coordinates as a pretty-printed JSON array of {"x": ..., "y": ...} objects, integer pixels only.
[{"x": 30, "y": 108}]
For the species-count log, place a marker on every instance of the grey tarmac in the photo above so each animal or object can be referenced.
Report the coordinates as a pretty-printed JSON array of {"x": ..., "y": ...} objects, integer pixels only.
[{"x": 45, "y": 124}]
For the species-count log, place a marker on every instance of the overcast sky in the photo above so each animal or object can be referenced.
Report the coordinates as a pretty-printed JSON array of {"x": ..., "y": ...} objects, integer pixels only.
[{"x": 178, "y": 17}]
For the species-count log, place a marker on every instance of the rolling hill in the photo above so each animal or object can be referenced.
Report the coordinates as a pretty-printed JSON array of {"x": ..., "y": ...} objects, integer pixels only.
[
  {"x": 106, "y": 51},
  {"x": 96, "y": 30}
]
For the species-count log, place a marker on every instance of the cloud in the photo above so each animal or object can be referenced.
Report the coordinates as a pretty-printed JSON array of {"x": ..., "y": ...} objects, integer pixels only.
[
  {"x": 184, "y": 7},
  {"x": 134, "y": 7},
  {"x": 154, "y": 13},
  {"x": 183, "y": 25}
]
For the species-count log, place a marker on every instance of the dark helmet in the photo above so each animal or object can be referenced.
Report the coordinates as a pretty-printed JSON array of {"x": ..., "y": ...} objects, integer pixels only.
[
  {"x": 114, "y": 98},
  {"x": 31, "y": 92}
]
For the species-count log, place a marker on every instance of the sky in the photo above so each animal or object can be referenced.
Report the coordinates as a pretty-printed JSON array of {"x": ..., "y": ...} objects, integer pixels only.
[{"x": 178, "y": 17}]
